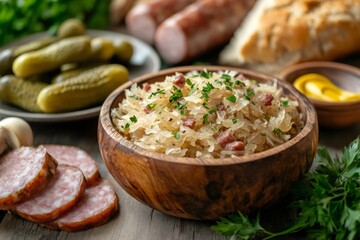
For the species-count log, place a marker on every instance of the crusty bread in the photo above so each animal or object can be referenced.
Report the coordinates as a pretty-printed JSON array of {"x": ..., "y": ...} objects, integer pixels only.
[{"x": 279, "y": 33}]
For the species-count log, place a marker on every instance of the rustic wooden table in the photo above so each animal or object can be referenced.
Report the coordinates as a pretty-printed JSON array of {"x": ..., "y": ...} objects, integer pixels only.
[{"x": 135, "y": 220}]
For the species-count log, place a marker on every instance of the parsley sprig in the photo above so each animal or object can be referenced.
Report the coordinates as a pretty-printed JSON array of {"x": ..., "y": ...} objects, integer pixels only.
[
  {"x": 176, "y": 94},
  {"x": 327, "y": 202}
]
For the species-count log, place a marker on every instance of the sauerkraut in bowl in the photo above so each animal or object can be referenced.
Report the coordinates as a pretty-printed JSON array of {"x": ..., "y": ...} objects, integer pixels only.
[{"x": 207, "y": 114}]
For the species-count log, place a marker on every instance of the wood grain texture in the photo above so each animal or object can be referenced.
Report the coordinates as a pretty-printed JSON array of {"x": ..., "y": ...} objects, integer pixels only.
[
  {"x": 137, "y": 221},
  {"x": 206, "y": 189}
]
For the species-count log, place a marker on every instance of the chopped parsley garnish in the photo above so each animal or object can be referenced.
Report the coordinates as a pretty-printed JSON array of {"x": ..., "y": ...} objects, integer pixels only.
[
  {"x": 162, "y": 91},
  {"x": 151, "y": 105},
  {"x": 205, "y": 74},
  {"x": 278, "y": 131},
  {"x": 226, "y": 77},
  {"x": 248, "y": 93},
  {"x": 206, "y": 90},
  {"x": 205, "y": 118},
  {"x": 176, "y": 135},
  {"x": 127, "y": 125},
  {"x": 182, "y": 107},
  {"x": 237, "y": 82},
  {"x": 219, "y": 82},
  {"x": 188, "y": 82},
  {"x": 228, "y": 88},
  {"x": 133, "y": 119},
  {"x": 234, "y": 120},
  {"x": 284, "y": 103},
  {"x": 231, "y": 98},
  {"x": 176, "y": 95}
]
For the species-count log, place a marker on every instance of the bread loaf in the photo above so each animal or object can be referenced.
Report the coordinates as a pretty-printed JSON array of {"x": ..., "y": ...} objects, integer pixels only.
[{"x": 279, "y": 33}]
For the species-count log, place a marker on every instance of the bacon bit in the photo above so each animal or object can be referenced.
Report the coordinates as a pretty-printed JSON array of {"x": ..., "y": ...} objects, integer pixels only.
[
  {"x": 220, "y": 107},
  {"x": 235, "y": 146},
  {"x": 146, "y": 86},
  {"x": 179, "y": 80},
  {"x": 147, "y": 110},
  {"x": 240, "y": 77},
  {"x": 225, "y": 138},
  {"x": 267, "y": 99},
  {"x": 190, "y": 123}
]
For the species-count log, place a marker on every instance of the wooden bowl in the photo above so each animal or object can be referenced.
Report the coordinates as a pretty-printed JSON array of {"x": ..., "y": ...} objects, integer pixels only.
[
  {"x": 206, "y": 189},
  {"x": 331, "y": 114}
]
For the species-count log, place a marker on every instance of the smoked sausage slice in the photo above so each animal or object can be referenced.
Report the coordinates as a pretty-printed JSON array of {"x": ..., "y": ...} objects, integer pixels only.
[
  {"x": 57, "y": 198},
  {"x": 23, "y": 173},
  {"x": 199, "y": 27},
  {"x": 96, "y": 206},
  {"x": 77, "y": 157},
  {"x": 143, "y": 19}
]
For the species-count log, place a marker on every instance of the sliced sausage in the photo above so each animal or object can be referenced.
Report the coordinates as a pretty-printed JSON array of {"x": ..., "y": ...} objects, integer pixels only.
[
  {"x": 235, "y": 146},
  {"x": 179, "y": 80},
  {"x": 190, "y": 123},
  {"x": 96, "y": 206},
  {"x": 77, "y": 157},
  {"x": 266, "y": 99},
  {"x": 146, "y": 87},
  {"x": 57, "y": 198},
  {"x": 225, "y": 138},
  {"x": 199, "y": 27},
  {"x": 23, "y": 173},
  {"x": 143, "y": 19}
]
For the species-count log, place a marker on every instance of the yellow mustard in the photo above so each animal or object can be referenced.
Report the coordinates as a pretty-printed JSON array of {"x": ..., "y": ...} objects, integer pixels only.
[{"x": 319, "y": 87}]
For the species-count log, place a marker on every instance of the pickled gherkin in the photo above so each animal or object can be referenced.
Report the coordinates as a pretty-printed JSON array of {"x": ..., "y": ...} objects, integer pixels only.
[
  {"x": 69, "y": 50},
  {"x": 21, "y": 93},
  {"x": 84, "y": 90}
]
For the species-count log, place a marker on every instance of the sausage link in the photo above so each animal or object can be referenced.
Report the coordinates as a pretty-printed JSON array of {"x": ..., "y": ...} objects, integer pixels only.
[{"x": 198, "y": 28}]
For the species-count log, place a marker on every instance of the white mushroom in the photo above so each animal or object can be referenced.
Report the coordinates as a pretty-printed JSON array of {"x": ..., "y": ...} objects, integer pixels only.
[
  {"x": 14, "y": 132},
  {"x": 8, "y": 140}
]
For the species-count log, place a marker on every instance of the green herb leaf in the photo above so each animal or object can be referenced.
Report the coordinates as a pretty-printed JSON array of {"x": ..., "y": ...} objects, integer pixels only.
[
  {"x": 161, "y": 91},
  {"x": 327, "y": 201},
  {"x": 231, "y": 98},
  {"x": 205, "y": 74},
  {"x": 284, "y": 103},
  {"x": 226, "y": 77},
  {"x": 205, "y": 91},
  {"x": 176, "y": 95},
  {"x": 176, "y": 135},
  {"x": 188, "y": 82},
  {"x": 133, "y": 119},
  {"x": 127, "y": 125},
  {"x": 238, "y": 225},
  {"x": 21, "y": 18},
  {"x": 248, "y": 93},
  {"x": 278, "y": 131},
  {"x": 205, "y": 118},
  {"x": 151, "y": 105},
  {"x": 237, "y": 82}
]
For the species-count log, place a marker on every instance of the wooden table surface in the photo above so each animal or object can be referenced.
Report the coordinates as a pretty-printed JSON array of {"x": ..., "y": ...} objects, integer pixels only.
[{"x": 135, "y": 220}]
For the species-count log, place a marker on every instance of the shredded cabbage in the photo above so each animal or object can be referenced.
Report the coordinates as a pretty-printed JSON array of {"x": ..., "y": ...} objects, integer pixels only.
[{"x": 256, "y": 115}]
